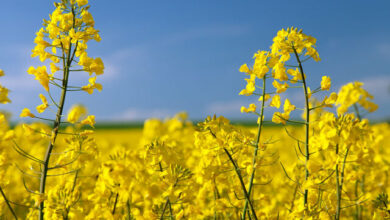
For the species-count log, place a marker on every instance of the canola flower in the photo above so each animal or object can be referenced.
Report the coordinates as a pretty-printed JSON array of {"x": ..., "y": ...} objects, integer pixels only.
[
  {"x": 333, "y": 164},
  {"x": 63, "y": 41},
  {"x": 3, "y": 91},
  {"x": 121, "y": 162},
  {"x": 4, "y": 100},
  {"x": 294, "y": 43}
]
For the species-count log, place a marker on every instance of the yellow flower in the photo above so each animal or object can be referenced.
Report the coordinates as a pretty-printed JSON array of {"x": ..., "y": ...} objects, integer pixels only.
[
  {"x": 39, "y": 198},
  {"x": 92, "y": 85},
  {"x": 2, "y": 118},
  {"x": 180, "y": 214},
  {"x": 353, "y": 93},
  {"x": 41, "y": 75},
  {"x": 250, "y": 87},
  {"x": 41, "y": 108},
  {"x": 368, "y": 105},
  {"x": 325, "y": 83},
  {"x": 75, "y": 36},
  {"x": 282, "y": 44},
  {"x": 296, "y": 75},
  {"x": 97, "y": 66},
  {"x": 308, "y": 184},
  {"x": 53, "y": 68},
  {"x": 9, "y": 135},
  {"x": 280, "y": 87},
  {"x": 309, "y": 92},
  {"x": 91, "y": 65},
  {"x": 28, "y": 130},
  {"x": 82, "y": 2},
  {"x": 76, "y": 112},
  {"x": 90, "y": 120},
  {"x": 288, "y": 107},
  {"x": 26, "y": 113},
  {"x": 280, "y": 72},
  {"x": 260, "y": 66},
  {"x": 4, "y": 95},
  {"x": 267, "y": 96},
  {"x": 251, "y": 108},
  {"x": 86, "y": 133},
  {"x": 275, "y": 102},
  {"x": 87, "y": 18},
  {"x": 313, "y": 166},
  {"x": 331, "y": 100},
  {"x": 1, "y": 72},
  {"x": 280, "y": 118},
  {"x": 245, "y": 69}
]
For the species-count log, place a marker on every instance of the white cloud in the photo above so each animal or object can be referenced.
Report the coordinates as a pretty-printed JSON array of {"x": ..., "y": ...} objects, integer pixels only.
[
  {"x": 121, "y": 60},
  {"x": 378, "y": 86}
]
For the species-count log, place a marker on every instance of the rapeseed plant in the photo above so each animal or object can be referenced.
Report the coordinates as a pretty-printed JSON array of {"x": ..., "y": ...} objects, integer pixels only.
[
  {"x": 333, "y": 164},
  {"x": 66, "y": 33}
]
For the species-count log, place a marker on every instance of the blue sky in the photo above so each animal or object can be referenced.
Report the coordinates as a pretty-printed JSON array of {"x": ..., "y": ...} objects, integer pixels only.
[{"x": 164, "y": 57}]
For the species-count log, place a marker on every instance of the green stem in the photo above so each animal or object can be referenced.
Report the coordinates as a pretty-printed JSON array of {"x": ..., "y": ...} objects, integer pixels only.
[
  {"x": 255, "y": 151},
  {"x": 294, "y": 196},
  {"x": 361, "y": 208},
  {"x": 57, "y": 123},
  {"x": 307, "y": 112},
  {"x": 340, "y": 182},
  {"x": 170, "y": 210},
  {"x": 128, "y": 209},
  {"x": 165, "y": 208},
  {"x": 237, "y": 169},
  {"x": 338, "y": 187},
  {"x": 8, "y": 204},
  {"x": 357, "y": 210},
  {"x": 115, "y": 203},
  {"x": 75, "y": 180},
  {"x": 56, "y": 127},
  {"x": 357, "y": 112}
]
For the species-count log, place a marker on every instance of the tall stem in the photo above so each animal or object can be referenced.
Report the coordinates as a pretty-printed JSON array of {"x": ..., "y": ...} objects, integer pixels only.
[
  {"x": 170, "y": 211},
  {"x": 357, "y": 209},
  {"x": 357, "y": 112},
  {"x": 115, "y": 203},
  {"x": 164, "y": 209},
  {"x": 67, "y": 61},
  {"x": 128, "y": 209},
  {"x": 238, "y": 172},
  {"x": 255, "y": 151},
  {"x": 338, "y": 186},
  {"x": 307, "y": 113},
  {"x": 49, "y": 149},
  {"x": 8, "y": 204}
]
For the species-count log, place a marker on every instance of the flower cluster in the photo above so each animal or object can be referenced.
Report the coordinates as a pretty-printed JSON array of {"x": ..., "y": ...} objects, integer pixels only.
[
  {"x": 63, "y": 42},
  {"x": 3, "y": 92},
  {"x": 332, "y": 164}
]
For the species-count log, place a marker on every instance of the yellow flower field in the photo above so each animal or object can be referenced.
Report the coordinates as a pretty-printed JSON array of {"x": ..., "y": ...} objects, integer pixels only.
[
  {"x": 319, "y": 159},
  {"x": 127, "y": 163}
]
